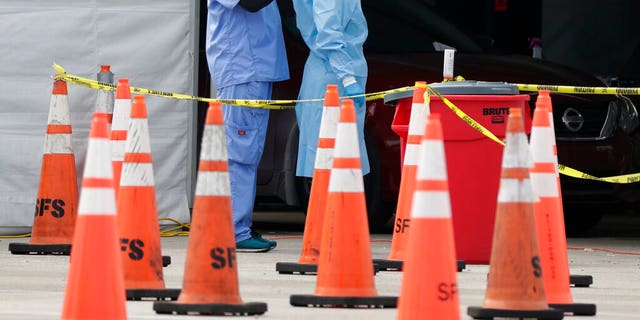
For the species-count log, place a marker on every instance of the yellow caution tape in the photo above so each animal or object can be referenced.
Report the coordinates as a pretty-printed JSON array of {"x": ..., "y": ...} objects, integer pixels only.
[
  {"x": 288, "y": 104},
  {"x": 474, "y": 124},
  {"x": 263, "y": 104},
  {"x": 579, "y": 90},
  {"x": 625, "y": 178}
]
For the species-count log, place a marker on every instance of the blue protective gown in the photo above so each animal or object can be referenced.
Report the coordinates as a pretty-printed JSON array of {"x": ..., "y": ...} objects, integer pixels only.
[
  {"x": 245, "y": 53},
  {"x": 334, "y": 31}
]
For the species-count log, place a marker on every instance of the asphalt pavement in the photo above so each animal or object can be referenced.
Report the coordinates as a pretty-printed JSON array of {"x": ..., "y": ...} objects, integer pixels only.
[{"x": 32, "y": 287}]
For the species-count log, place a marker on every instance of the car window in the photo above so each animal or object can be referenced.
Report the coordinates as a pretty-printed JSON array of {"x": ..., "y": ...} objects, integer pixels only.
[
  {"x": 410, "y": 26},
  {"x": 398, "y": 26}
]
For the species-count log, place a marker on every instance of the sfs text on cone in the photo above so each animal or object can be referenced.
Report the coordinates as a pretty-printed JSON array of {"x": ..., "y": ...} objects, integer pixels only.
[
  {"x": 549, "y": 214},
  {"x": 429, "y": 283},
  {"x": 57, "y": 203},
  {"x": 515, "y": 287},
  {"x": 419, "y": 112},
  {"x": 138, "y": 230},
  {"x": 210, "y": 281},
  {"x": 312, "y": 235},
  {"x": 345, "y": 274},
  {"x": 420, "y": 109}
]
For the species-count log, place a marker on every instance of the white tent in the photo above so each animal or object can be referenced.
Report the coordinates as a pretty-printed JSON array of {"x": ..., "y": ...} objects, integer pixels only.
[{"x": 152, "y": 43}]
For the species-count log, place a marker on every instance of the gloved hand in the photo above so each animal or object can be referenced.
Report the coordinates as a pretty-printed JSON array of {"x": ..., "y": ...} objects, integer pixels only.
[{"x": 353, "y": 90}]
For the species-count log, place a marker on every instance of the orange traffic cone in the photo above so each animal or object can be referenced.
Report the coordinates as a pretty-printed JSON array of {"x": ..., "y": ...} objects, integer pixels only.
[
  {"x": 105, "y": 99},
  {"x": 345, "y": 276},
  {"x": 429, "y": 284},
  {"x": 308, "y": 262},
  {"x": 549, "y": 215},
  {"x": 95, "y": 285},
  {"x": 515, "y": 286},
  {"x": 138, "y": 225},
  {"x": 419, "y": 112},
  {"x": 578, "y": 280},
  {"x": 57, "y": 203},
  {"x": 119, "y": 127},
  {"x": 210, "y": 284}
]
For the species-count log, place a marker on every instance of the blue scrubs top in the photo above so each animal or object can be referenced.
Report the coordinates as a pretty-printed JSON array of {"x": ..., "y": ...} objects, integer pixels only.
[{"x": 245, "y": 46}]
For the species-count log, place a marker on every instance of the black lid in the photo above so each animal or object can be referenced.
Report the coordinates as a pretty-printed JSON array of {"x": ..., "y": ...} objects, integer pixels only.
[{"x": 460, "y": 88}]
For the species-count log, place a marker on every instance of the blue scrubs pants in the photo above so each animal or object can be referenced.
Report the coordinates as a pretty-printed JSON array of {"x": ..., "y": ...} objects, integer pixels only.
[{"x": 246, "y": 129}]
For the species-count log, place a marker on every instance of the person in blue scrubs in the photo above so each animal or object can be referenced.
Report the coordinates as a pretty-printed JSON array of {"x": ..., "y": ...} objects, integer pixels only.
[
  {"x": 334, "y": 31},
  {"x": 246, "y": 54}
]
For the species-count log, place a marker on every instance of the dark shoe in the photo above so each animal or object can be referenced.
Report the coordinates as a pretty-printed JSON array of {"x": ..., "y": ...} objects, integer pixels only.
[
  {"x": 255, "y": 244},
  {"x": 256, "y": 234}
]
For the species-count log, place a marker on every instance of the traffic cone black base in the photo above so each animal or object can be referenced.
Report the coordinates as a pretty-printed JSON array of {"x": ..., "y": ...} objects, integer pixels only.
[
  {"x": 55, "y": 249},
  {"x": 296, "y": 268},
  {"x": 388, "y": 265},
  {"x": 580, "y": 281},
  {"x": 152, "y": 294},
  {"x": 244, "y": 309},
  {"x": 309, "y": 300},
  {"x": 40, "y": 249},
  {"x": 307, "y": 268},
  {"x": 396, "y": 265},
  {"x": 577, "y": 309},
  {"x": 490, "y": 313}
]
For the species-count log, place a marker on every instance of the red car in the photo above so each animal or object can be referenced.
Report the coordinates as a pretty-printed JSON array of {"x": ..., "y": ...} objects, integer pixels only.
[{"x": 593, "y": 132}]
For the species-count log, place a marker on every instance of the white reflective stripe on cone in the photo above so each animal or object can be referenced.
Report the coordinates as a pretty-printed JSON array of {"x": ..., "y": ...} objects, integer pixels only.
[
  {"x": 59, "y": 109},
  {"x": 135, "y": 174},
  {"x": 213, "y": 183},
  {"x": 96, "y": 150},
  {"x": 411, "y": 154},
  {"x": 434, "y": 168},
  {"x": 117, "y": 150},
  {"x": 329, "y": 124},
  {"x": 324, "y": 158},
  {"x": 138, "y": 136},
  {"x": 518, "y": 146},
  {"x": 121, "y": 114},
  {"x": 542, "y": 144},
  {"x": 431, "y": 204},
  {"x": 58, "y": 144},
  {"x": 545, "y": 184},
  {"x": 514, "y": 191},
  {"x": 347, "y": 141},
  {"x": 214, "y": 146},
  {"x": 346, "y": 180},
  {"x": 93, "y": 201},
  {"x": 417, "y": 119}
]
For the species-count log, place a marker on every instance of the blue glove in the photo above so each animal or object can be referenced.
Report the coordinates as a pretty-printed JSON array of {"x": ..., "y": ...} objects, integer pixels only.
[{"x": 355, "y": 89}]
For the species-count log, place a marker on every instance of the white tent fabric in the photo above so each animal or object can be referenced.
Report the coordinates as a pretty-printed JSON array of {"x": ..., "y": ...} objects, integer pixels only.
[{"x": 150, "y": 42}]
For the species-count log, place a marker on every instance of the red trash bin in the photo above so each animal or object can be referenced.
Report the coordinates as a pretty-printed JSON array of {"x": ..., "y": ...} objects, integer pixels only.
[{"x": 473, "y": 160}]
